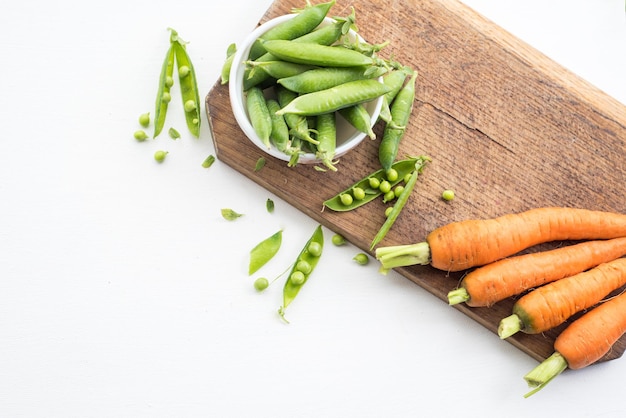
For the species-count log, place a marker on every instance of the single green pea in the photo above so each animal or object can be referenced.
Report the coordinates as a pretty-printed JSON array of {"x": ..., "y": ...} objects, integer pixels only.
[
  {"x": 315, "y": 249},
  {"x": 160, "y": 155},
  {"x": 388, "y": 211},
  {"x": 407, "y": 177},
  {"x": 304, "y": 267},
  {"x": 358, "y": 193},
  {"x": 389, "y": 196},
  {"x": 297, "y": 277},
  {"x": 140, "y": 135},
  {"x": 338, "y": 240},
  {"x": 195, "y": 120},
  {"x": 374, "y": 182},
  {"x": 169, "y": 81},
  {"x": 397, "y": 191},
  {"x": 362, "y": 259},
  {"x": 447, "y": 195},
  {"x": 144, "y": 119},
  {"x": 190, "y": 106},
  {"x": 346, "y": 199},
  {"x": 261, "y": 284},
  {"x": 385, "y": 186},
  {"x": 166, "y": 97},
  {"x": 183, "y": 71},
  {"x": 392, "y": 174}
]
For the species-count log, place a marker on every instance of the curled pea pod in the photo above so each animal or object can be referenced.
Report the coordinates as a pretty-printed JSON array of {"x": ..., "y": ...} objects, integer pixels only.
[
  {"x": 302, "y": 23},
  {"x": 322, "y": 78},
  {"x": 327, "y": 136},
  {"x": 188, "y": 84},
  {"x": 402, "y": 168},
  {"x": 394, "y": 130},
  {"x": 401, "y": 202},
  {"x": 259, "y": 114},
  {"x": 335, "y": 98},
  {"x": 302, "y": 269},
  {"x": 316, "y": 54},
  {"x": 163, "y": 95}
]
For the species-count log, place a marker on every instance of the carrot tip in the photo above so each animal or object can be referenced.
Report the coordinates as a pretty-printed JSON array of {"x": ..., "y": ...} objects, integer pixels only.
[{"x": 547, "y": 370}]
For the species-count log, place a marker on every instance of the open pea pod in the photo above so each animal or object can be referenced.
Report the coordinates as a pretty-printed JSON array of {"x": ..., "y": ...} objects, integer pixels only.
[{"x": 402, "y": 167}]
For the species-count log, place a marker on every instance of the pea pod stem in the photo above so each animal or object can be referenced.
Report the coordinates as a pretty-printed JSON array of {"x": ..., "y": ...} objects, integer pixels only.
[{"x": 400, "y": 203}]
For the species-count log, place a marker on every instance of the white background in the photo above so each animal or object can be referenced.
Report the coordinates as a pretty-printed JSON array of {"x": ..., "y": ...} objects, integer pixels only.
[{"x": 123, "y": 293}]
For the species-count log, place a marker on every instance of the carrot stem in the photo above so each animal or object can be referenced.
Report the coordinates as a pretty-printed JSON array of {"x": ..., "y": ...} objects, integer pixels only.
[
  {"x": 457, "y": 296},
  {"x": 509, "y": 326},
  {"x": 403, "y": 255},
  {"x": 547, "y": 370}
]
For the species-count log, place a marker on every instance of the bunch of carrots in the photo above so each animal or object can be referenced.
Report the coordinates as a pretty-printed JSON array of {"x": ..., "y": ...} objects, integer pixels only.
[{"x": 556, "y": 284}]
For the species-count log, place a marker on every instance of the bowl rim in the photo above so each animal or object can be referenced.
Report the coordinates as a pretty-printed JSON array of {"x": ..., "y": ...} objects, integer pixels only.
[{"x": 237, "y": 99}]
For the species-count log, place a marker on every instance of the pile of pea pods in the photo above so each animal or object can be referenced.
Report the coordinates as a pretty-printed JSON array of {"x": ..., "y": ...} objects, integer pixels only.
[{"x": 301, "y": 76}]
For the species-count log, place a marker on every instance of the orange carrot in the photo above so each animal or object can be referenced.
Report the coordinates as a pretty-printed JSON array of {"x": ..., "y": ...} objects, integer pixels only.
[
  {"x": 511, "y": 276},
  {"x": 548, "y": 306},
  {"x": 583, "y": 342},
  {"x": 462, "y": 245}
]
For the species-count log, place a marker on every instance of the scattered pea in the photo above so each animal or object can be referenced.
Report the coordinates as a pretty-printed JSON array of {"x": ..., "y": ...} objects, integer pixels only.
[
  {"x": 392, "y": 175},
  {"x": 388, "y": 211},
  {"x": 374, "y": 182},
  {"x": 297, "y": 277},
  {"x": 208, "y": 161},
  {"x": 398, "y": 190},
  {"x": 346, "y": 199},
  {"x": 140, "y": 135},
  {"x": 447, "y": 195},
  {"x": 261, "y": 284},
  {"x": 173, "y": 133},
  {"x": 144, "y": 119},
  {"x": 361, "y": 258},
  {"x": 315, "y": 249},
  {"x": 190, "y": 106},
  {"x": 338, "y": 240},
  {"x": 160, "y": 155},
  {"x": 183, "y": 71},
  {"x": 385, "y": 186},
  {"x": 389, "y": 196},
  {"x": 230, "y": 215},
  {"x": 358, "y": 193}
]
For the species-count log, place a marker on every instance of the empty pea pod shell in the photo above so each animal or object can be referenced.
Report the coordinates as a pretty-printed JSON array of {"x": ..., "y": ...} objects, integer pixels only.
[
  {"x": 403, "y": 168},
  {"x": 264, "y": 251}
]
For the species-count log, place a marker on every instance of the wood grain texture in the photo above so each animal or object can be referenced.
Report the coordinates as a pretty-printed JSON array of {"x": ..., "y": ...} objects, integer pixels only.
[{"x": 506, "y": 127}]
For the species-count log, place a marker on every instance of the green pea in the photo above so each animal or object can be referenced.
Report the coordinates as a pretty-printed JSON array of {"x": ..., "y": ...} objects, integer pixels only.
[
  {"x": 303, "y": 266},
  {"x": 183, "y": 71},
  {"x": 166, "y": 97},
  {"x": 159, "y": 156},
  {"x": 362, "y": 259},
  {"x": 315, "y": 249},
  {"x": 392, "y": 174},
  {"x": 169, "y": 81},
  {"x": 407, "y": 177},
  {"x": 384, "y": 187},
  {"x": 374, "y": 182},
  {"x": 264, "y": 251},
  {"x": 190, "y": 106},
  {"x": 140, "y": 135},
  {"x": 447, "y": 195},
  {"x": 347, "y": 199},
  {"x": 397, "y": 191},
  {"x": 261, "y": 284},
  {"x": 358, "y": 193},
  {"x": 388, "y": 211},
  {"x": 297, "y": 278},
  {"x": 389, "y": 196},
  {"x": 338, "y": 240},
  {"x": 144, "y": 119}
]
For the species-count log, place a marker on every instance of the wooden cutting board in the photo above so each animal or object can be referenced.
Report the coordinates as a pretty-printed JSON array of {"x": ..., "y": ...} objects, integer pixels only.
[{"x": 507, "y": 129}]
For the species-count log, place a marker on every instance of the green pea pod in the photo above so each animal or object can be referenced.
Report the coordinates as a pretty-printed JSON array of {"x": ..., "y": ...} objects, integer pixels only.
[
  {"x": 327, "y": 137},
  {"x": 403, "y": 168},
  {"x": 228, "y": 63},
  {"x": 278, "y": 69},
  {"x": 279, "y": 135},
  {"x": 400, "y": 203},
  {"x": 335, "y": 98},
  {"x": 188, "y": 84},
  {"x": 264, "y": 251},
  {"x": 298, "y": 125},
  {"x": 302, "y": 23},
  {"x": 163, "y": 94},
  {"x": 359, "y": 117},
  {"x": 259, "y": 114},
  {"x": 316, "y": 54},
  {"x": 309, "y": 257},
  {"x": 394, "y": 131},
  {"x": 322, "y": 78},
  {"x": 394, "y": 80}
]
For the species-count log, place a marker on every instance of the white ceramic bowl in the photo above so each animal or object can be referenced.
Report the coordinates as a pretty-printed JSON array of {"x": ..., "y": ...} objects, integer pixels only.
[{"x": 348, "y": 137}]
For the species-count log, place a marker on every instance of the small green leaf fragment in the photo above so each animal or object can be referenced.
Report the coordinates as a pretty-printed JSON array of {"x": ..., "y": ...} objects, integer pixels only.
[
  {"x": 264, "y": 251},
  {"x": 173, "y": 133},
  {"x": 230, "y": 215},
  {"x": 208, "y": 161},
  {"x": 269, "y": 205},
  {"x": 260, "y": 163}
]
